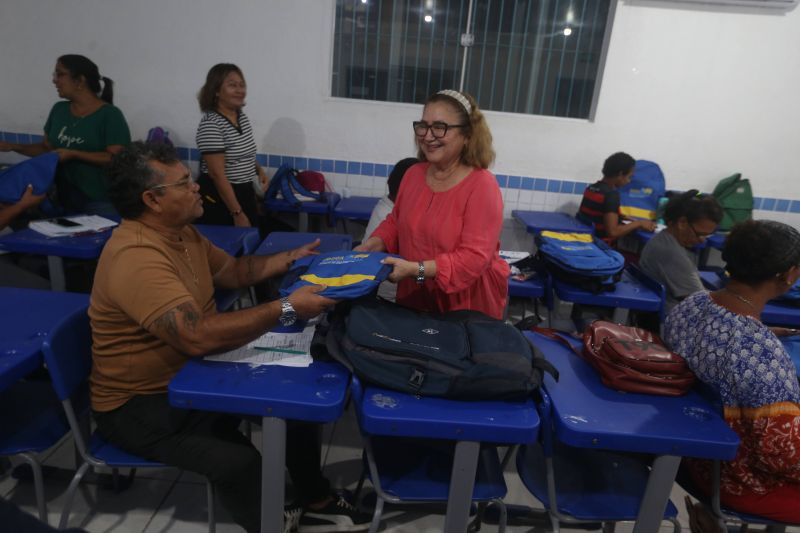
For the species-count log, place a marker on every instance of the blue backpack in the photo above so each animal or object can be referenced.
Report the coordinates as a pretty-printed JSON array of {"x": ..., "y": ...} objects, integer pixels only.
[
  {"x": 348, "y": 275},
  {"x": 580, "y": 259},
  {"x": 286, "y": 183},
  {"x": 38, "y": 171},
  {"x": 639, "y": 198}
]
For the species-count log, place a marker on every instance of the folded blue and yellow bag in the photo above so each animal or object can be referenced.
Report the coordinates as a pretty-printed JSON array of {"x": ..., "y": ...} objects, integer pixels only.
[
  {"x": 348, "y": 275},
  {"x": 38, "y": 171}
]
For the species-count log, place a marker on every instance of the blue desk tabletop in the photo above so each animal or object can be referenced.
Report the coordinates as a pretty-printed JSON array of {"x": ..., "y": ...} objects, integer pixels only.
[
  {"x": 388, "y": 412},
  {"x": 229, "y": 238},
  {"x": 308, "y": 206},
  {"x": 280, "y": 241},
  {"x": 28, "y": 241},
  {"x": 26, "y": 318},
  {"x": 313, "y": 394},
  {"x": 590, "y": 415},
  {"x": 629, "y": 293},
  {"x": 530, "y": 288},
  {"x": 355, "y": 207},
  {"x": 536, "y": 221},
  {"x": 716, "y": 240}
]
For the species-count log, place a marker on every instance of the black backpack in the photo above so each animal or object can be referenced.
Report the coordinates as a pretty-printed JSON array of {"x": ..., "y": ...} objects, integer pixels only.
[{"x": 462, "y": 355}]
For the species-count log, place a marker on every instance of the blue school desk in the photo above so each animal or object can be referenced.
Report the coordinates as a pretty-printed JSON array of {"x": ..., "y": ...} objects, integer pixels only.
[
  {"x": 392, "y": 413},
  {"x": 229, "y": 238},
  {"x": 305, "y": 208},
  {"x": 590, "y": 415},
  {"x": 633, "y": 291},
  {"x": 536, "y": 221},
  {"x": 276, "y": 394},
  {"x": 280, "y": 241},
  {"x": 355, "y": 208},
  {"x": 27, "y": 241},
  {"x": 26, "y": 318}
]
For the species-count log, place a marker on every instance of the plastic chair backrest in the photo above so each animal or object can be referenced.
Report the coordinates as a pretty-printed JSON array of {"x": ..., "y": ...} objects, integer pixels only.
[{"x": 68, "y": 353}]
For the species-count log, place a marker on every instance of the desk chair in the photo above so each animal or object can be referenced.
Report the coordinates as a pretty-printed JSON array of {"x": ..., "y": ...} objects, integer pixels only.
[
  {"x": 583, "y": 485},
  {"x": 538, "y": 287},
  {"x": 31, "y": 421},
  {"x": 68, "y": 355},
  {"x": 417, "y": 470}
]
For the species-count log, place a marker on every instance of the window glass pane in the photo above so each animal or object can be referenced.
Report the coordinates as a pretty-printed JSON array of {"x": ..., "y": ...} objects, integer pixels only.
[{"x": 529, "y": 56}]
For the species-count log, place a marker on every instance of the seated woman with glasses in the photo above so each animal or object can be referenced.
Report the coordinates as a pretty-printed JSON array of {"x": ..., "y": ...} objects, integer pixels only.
[
  {"x": 448, "y": 215},
  {"x": 721, "y": 336},
  {"x": 666, "y": 257}
]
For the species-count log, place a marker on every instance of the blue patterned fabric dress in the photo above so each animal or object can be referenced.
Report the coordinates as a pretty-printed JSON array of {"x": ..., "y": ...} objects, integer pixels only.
[{"x": 746, "y": 364}]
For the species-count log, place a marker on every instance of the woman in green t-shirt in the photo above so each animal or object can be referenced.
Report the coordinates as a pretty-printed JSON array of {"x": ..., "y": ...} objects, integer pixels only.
[{"x": 86, "y": 130}]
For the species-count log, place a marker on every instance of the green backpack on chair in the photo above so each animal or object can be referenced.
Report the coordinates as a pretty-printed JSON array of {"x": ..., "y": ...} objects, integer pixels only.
[{"x": 736, "y": 198}]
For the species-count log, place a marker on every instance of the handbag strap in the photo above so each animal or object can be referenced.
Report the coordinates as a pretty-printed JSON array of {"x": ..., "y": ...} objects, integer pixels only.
[{"x": 559, "y": 336}]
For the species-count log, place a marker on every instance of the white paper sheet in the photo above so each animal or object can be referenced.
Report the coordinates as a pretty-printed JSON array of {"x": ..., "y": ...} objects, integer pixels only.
[
  {"x": 85, "y": 224},
  {"x": 285, "y": 349}
]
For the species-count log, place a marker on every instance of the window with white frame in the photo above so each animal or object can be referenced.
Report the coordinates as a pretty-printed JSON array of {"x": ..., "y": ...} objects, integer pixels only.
[{"x": 541, "y": 57}]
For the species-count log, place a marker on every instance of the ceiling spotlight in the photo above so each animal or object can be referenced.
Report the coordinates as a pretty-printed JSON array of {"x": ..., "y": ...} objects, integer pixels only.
[
  {"x": 428, "y": 18},
  {"x": 567, "y": 32}
]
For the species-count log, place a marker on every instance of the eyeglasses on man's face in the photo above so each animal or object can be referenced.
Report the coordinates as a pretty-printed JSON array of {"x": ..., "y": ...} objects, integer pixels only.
[
  {"x": 185, "y": 183},
  {"x": 438, "y": 129}
]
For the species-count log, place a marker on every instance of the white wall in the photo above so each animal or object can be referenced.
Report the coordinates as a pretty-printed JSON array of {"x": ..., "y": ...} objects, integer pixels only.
[{"x": 704, "y": 92}]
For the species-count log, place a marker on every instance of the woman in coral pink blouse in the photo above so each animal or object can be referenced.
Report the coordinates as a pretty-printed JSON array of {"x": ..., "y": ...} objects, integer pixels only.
[{"x": 448, "y": 215}]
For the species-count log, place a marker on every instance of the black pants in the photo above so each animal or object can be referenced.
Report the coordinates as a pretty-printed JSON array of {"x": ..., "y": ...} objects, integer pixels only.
[
  {"x": 211, "y": 444},
  {"x": 214, "y": 209}
]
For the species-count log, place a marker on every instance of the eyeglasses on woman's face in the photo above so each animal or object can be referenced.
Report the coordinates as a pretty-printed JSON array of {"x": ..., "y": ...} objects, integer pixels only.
[
  {"x": 437, "y": 129},
  {"x": 700, "y": 235}
]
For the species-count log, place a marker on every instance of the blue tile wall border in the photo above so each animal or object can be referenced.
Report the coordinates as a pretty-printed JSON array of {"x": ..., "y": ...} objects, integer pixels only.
[{"x": 382, "y": 170}]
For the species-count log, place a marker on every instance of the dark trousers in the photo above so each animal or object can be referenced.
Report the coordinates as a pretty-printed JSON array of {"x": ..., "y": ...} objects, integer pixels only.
[
  {"x": 214, "y": 209},
  {"x": 211, "y": 444}
]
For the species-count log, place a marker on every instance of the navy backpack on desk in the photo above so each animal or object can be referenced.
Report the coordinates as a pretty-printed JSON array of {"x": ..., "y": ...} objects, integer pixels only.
[
  {"x": 347, "y": 275},
  {"x": 38, "y": 171}
]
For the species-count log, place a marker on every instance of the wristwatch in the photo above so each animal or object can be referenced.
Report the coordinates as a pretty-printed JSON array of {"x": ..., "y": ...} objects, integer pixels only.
[{"x": 288, "y": 314}]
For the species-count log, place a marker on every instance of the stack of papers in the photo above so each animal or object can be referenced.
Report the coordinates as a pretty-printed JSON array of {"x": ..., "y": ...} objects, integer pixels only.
[
  {"x": 284, "y": 349},
  {"x": 74, "y": 225}
]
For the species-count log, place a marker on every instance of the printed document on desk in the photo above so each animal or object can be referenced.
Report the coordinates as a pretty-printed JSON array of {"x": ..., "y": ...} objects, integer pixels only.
[
  {"x": 285, "y": 349},
  {"x": 73, "y": 225}
]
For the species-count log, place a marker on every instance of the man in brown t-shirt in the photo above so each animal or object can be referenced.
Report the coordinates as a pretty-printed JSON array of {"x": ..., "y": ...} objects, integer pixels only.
[{"x": 152, "y": 308}]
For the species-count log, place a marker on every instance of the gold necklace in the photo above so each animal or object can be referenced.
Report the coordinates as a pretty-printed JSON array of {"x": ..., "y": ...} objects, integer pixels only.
[
  {"x": 741, "y": 298},
  {"x": 191, "y": 265}
]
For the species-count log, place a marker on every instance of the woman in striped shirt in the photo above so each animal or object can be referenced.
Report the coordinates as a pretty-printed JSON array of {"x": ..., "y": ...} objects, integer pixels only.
[{"x": 225, "y": 139}]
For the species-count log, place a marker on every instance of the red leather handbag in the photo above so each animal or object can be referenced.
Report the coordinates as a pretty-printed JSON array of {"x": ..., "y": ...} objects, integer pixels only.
[
  {"x": 631, "y": 359},
  {"x": 635, "y": 360}
]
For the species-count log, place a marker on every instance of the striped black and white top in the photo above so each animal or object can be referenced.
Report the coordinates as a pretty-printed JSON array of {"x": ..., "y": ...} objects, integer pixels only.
[{"x": 217, "y": 135}]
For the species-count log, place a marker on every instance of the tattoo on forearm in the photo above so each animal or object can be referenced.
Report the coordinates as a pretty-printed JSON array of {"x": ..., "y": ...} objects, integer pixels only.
[{"x": 191, "y": 316}]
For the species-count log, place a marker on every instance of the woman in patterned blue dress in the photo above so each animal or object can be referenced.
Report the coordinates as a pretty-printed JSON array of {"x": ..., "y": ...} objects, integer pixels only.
[{"x": 721, "y": 336}]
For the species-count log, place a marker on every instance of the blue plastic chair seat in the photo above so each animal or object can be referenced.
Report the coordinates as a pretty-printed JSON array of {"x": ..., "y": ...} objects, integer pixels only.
[
  {"x": 115, "y": 457},
  {"x": 590, "y": 484},
  {"x": 419, "y": 470},
  {"x": 31, "y": 418}
]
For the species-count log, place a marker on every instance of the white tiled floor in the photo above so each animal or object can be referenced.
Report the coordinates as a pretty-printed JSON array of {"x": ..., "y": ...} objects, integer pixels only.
[{"x": 165, "y": 500}]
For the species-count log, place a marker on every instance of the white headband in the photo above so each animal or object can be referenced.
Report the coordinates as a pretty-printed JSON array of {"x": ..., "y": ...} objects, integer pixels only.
[{"x": 460, "y": 97}]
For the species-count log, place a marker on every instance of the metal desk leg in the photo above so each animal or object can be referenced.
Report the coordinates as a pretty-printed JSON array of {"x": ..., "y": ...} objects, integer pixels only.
[
  {"x": 462, "y": 481},
  {"x": 55, "y": 265},
  {"x": 273, "y": 466},
  {"x": 656, "y": 494},
  {"x": 303, "y": 222},
  {"x": 620, "y": 315}
]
